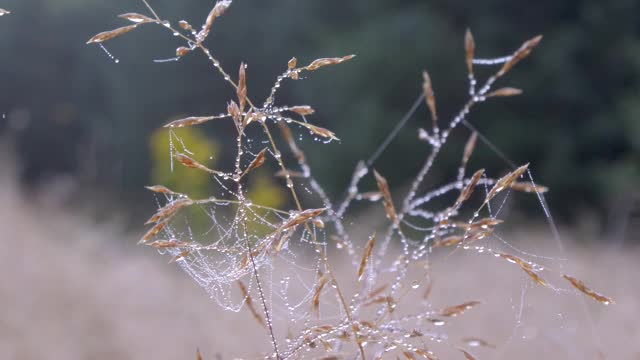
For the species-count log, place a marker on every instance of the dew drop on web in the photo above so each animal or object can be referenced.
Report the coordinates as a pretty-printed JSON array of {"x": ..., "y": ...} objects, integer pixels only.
[{"x": 115, "y": 60}]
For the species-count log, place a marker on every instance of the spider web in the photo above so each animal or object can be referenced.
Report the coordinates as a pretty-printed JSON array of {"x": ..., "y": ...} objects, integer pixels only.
[{"x": 277, "y": 263}]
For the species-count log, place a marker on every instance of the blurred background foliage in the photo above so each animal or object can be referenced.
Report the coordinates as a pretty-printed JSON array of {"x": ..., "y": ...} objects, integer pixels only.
[
  {"x": 166, "y": 171},
  {"x": 72, "y": 110}
]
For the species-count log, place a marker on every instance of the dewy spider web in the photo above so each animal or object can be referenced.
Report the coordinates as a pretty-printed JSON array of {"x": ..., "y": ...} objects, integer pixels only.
[{"x": 276, "y": 262}]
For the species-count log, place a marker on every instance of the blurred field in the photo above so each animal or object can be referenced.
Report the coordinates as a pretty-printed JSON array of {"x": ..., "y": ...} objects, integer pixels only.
[{"x": 74, "y": 289}]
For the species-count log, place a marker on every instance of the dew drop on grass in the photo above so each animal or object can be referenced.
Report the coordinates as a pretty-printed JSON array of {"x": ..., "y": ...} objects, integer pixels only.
[{"x": 473, "y": 343}]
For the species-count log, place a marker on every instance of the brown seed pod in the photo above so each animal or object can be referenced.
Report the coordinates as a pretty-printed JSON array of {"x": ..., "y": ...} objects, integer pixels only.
[
  {"x": 292, "y": 63},
  {"x": 456, "y": 310},
  {"x": 505, "y": 91},
  {"x": 430, "y": 96},
  {"x": 366, "y": 255},
  {"x": 242, "y": 86},
  {"x": 108, "y": 35},
  {"x": 383, "y": 186},
  {"x": 136, "y": 18},
  {"x": 318, "y": 63},
  {"x": 302, "y": 110},
  {"x": 469, "y": 47},
  {"x": 182, "y": 51},
  {"x": 520, "y": 54},
  {"x": 590, "y": 293}
]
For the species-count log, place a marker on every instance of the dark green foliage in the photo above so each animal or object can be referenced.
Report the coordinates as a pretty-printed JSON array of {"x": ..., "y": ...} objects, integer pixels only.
[{"x": 86, "y": 115}]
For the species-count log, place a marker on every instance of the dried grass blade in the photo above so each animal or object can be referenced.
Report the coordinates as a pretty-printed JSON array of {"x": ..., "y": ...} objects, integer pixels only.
[
  {"x": 484, "y": 223},
  {"x": 249, "y": 302},
  {"x": 217, "y": 11},
  {"x": 185, "y": 25},
  {"x": 318, "y": 223},
  {"x": 191, "y": 163},
  {"x": 169, "y": 210},
  {"x": 320, "y": 131},
  {"x": 242, "y": 86},
  {"x": 291, "y": 64},
  {"x": 287, "y": 172},
  {"x": 526, "y": 267},
  {"x": 505, "y": 182},
  {"x": 408, "y": 355},
  {"x": 300, "y": 217},
  {"x": 155, "y": 230},
  {"x": 469, "y": 47},
  {"x": 165, "y": 244},
  {"x": 535, "y": 277},
  {"x": 448, "y": 241},
  {"x": 430, "y": 97},
  {"x": 302, "y": 109},
  {"x": 281, "y": 239},
  {"x": 426, "y": 354},
  {"x": 108, "y": 35},
  {"x": 529, "y": 187},
  {"x": 250, "y": 117},
  {"x": 315, "y": 300},
  {"x": 587, "y": 291},
  {"x": 161, "y": 190},
  {"x": 318, "y": 63},
  {"x": 193, "y": 120},
  {"x": 328, "y": 348},
  {"x": 466, "y": 192},
  {"x": 258, "y": 161},
  {"x": 456, "y": 310},
  {"x": 182, "y": 51},
  {"x": 505, "y": 91},
  {"x": 467, "y": 355},
  {"x": 183, "y": 254},
  {"x": 366, "y": 255},
  {"x": 383, "y": 186},
  {"x": 513, "y": 259},
  {"x": 520, "y": 54},
  {"x": 477, "y": 234},
  {"x": 323, "y": 328},
  {"x": 469, "y": 147},
  {"x": 234, "y": 111},
  {"x": 136, "y": 18}
]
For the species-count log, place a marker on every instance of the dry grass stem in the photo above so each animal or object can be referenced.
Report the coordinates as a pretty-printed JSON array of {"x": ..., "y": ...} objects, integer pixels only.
[
  {"x": 505, "y": 91},
  {"x": 260, "y": 248},
  {"x": 366, "y": 255},
  {"x": 430, "y": 97},
  {"x": 108, "y": 35},
  {"x": 590, "y": 293}
]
